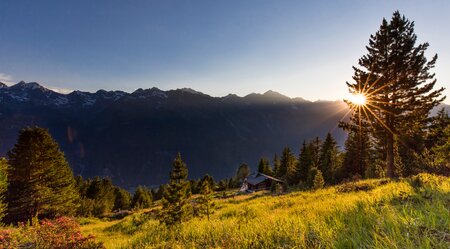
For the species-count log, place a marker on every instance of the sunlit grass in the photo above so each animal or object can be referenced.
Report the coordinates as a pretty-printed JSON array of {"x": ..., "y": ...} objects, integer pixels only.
[{"x": 408, "y": 213}]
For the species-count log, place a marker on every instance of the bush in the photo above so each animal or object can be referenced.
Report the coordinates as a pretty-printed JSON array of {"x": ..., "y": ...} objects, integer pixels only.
[{"x": 60, "y": 233}]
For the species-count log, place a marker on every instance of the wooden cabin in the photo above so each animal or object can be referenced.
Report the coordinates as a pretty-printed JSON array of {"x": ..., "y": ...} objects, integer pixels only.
[{"x": 258, "y": 181}]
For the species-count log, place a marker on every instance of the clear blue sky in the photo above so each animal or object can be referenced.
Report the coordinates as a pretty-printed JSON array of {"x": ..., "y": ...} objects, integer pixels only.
[{"x": 298, "y": 48}]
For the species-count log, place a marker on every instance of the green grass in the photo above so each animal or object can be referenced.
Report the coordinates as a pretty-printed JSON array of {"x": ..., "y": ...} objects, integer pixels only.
[{"x": 407, "y": 213}]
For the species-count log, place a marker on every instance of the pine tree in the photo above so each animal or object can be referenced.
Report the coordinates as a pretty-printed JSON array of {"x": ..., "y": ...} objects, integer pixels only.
[
  {"x": 242, "y": 173},
  {"x": 160, "y": 192},
  {"x": 40, "y": 181},
  {"x": 328, "y": 158},
  {"x": 288, "y": 167},
  {"x": 102, "y": 192},
  {"x": 122, "y": 199},
  {"x": 318, "y": 182},
  {"x": 436, "y": 129},
  {"x": 3, "y": 187},
  {"x": 304, "y": 163},
  {"x": 264, "y": 167},
  {"x": 396, "y": 80},
  {"x": 276, "y": 165},
  {"x": 314, "y": 149},
  {"x": 209, "y": 179},
  {"x": 176, "y": 207},
  {"x": 442, "y": 154},
  {"x": 205, "y": 203},
  {"x": 356, "y": 158},
  {"x": 142, "y": 198}
]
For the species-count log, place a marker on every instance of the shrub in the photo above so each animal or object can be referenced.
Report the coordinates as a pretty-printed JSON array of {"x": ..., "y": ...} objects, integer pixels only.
[{"x": 60, "y": 233}]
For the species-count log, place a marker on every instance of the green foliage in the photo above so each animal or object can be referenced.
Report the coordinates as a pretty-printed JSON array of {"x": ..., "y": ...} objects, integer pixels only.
[
  {"x": 205, "y": 203},
  {"x": 305, "y": 163},
  {"x": 159, "y": 193},
  {"x": 40, "y": 181},
  {"x": 242, "y": 173},
  {"x": 175, "y": 205},
  {"x": 442, "y": 154},
  {"x": 3, "y": 186},
  {"x": 99, "y": 197},
  {"x": 264, "y": 167},
  {"x": 395, "y": 74},
  {"x": 142, "y": 198},
  {"x": 357, "y": 155},
  {"x": 311, "y": 176},
  {"x": 102, "y": 191},
  {"x": 122, "y": 199},
  {"x": 276, "y": 165},
  {"x": 61, "y": 233},
  {"x": 318, "y": 181},
  {"x": 288, "y": 166},
  {"x": 328, "y": 158}
]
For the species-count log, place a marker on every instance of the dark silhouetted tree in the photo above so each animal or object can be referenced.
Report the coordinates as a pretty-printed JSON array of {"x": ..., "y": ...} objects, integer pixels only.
[
  {"x": 276, "y": 165},
  {"x": 242, "y": 173},
  {"x": 264, "y": 167},
  {"x": 328, "y": 158},
  {"x": 288, "y": 167},
  {"x": 305, "y": 163}
]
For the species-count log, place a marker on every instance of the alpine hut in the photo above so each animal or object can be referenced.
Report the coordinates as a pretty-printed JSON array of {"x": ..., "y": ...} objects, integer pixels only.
[{"x": 258, "y": 181}]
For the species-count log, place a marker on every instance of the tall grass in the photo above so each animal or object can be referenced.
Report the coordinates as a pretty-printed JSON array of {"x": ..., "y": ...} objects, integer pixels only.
[{"x": 408, "y": 213}]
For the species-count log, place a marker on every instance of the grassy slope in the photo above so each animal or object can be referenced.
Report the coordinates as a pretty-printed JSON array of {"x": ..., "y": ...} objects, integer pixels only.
[{"x": 408, "y": 213}]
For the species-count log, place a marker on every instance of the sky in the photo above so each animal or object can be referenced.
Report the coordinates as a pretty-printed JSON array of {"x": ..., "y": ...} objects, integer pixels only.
[{"x": 298, "y": 48}]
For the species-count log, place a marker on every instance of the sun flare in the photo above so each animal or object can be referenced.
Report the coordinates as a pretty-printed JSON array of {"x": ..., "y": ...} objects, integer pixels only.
[{"x": 358, "y": 99}]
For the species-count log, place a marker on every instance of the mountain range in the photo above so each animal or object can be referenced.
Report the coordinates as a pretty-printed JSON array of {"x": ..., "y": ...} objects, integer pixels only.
[{"x": 133, "y": 137}]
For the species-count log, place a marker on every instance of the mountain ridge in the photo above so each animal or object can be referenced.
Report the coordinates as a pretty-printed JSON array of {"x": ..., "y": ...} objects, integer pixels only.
[{"x": 133, "y": 137}]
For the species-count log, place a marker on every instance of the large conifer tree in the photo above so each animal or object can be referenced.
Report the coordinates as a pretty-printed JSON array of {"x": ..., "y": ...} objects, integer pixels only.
[
  {"x": 176, "y": 207},
  {"x": 396, "y": 80},
  {"x": 41, "y": 183}
]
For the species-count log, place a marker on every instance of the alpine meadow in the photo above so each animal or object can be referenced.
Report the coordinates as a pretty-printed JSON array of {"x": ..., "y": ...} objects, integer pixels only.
[{"x": 181, "y": 168}]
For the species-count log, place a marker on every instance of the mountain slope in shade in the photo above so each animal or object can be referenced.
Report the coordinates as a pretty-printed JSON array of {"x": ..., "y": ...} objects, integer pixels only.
[{"x": 133, "y": 137}]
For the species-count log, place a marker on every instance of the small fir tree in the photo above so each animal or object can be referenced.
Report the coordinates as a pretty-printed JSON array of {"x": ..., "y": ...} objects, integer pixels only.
[
  {"x": 242, "y": 173},
  {"x": 276, "y": 165},
  {"x": 176, "y": 207},
  {"x": 142, "y": 198},
  {"x": 122, "y": 200},
  {"x": 288, "y": 168},
  {"x": 205, "y": 203},
  {"x": 264, "y": 167},
  {"x": 328, "y": 158},
  {"x": 318, "y": 182}
]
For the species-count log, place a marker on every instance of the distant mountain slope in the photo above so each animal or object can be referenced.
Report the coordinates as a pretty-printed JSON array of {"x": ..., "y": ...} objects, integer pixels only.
[{"x": 133, "y": 137}]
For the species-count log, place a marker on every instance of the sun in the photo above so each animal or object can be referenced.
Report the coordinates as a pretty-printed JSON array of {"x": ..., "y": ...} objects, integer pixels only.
[{"x": 358, "y": 99}]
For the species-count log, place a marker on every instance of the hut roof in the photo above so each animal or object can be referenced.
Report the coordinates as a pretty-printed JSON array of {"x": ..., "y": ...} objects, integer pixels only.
[{"x": 257, "y": 178}]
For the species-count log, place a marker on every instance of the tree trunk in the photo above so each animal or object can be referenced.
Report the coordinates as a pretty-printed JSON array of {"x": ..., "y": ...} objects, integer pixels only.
[{"x": 390, "y": 155}]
